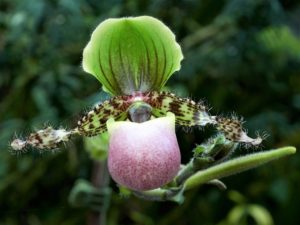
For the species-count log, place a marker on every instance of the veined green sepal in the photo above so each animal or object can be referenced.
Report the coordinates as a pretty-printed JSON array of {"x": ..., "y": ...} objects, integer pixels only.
[{"x": 132, "y": 54}]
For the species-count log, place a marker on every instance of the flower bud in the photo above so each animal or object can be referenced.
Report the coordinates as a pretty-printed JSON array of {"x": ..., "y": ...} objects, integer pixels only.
[{"x": 143, "y": 156}]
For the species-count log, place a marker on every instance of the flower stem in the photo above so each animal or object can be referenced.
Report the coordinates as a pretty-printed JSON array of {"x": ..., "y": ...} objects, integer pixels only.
[
  {"x": 100, "y": 180},
  {"x": 235, "y": 166}
]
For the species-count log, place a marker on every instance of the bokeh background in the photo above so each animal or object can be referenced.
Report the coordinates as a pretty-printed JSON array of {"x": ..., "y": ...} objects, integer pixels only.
[{"x": 241, "y": 57}]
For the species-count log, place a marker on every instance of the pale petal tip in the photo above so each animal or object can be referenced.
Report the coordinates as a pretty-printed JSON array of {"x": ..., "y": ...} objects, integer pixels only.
[
  {"x": 18, "y": 144},
  {"x": 246, "y": 139}
]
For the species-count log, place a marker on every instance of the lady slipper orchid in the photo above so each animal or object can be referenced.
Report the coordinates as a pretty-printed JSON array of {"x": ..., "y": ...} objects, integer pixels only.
[
  {"x": 133, "y": 58},
  {"x": 143, "y": 156}
]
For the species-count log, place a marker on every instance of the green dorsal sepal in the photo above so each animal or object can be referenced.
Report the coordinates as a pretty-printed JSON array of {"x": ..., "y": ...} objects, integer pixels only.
[{"x": 132, "y": 54}]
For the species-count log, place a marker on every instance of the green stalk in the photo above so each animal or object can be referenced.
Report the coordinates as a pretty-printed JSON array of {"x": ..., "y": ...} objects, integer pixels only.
[{"x": 235, "y": 166}]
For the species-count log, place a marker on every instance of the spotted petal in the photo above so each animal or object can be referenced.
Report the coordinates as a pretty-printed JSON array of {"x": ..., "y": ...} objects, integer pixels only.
[{"x": 132, "y": 54}]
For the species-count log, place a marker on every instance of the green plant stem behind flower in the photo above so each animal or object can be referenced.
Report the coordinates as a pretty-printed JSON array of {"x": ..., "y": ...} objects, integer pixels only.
[{"x": 236, "y": 165}]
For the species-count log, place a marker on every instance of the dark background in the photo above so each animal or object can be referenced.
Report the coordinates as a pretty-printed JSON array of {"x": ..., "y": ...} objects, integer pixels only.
[{"x": 241, "y": 56}]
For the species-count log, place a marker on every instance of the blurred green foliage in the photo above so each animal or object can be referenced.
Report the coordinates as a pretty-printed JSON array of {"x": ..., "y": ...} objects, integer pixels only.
[{"x": 241, "y": 56}]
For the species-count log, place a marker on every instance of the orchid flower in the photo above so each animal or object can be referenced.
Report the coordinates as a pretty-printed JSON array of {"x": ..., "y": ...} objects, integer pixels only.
[{"x": 133, "y": 58}]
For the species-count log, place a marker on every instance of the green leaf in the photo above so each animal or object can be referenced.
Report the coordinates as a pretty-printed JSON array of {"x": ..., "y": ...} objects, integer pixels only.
[
  {"x": 132, "y": 54},
  {"x": 235, "y": 166}
]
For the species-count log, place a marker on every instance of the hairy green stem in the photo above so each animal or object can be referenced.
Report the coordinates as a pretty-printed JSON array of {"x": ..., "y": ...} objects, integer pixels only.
[
  {"x": 192, "y": 167},
  {"x": 235, "y": 166}
]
